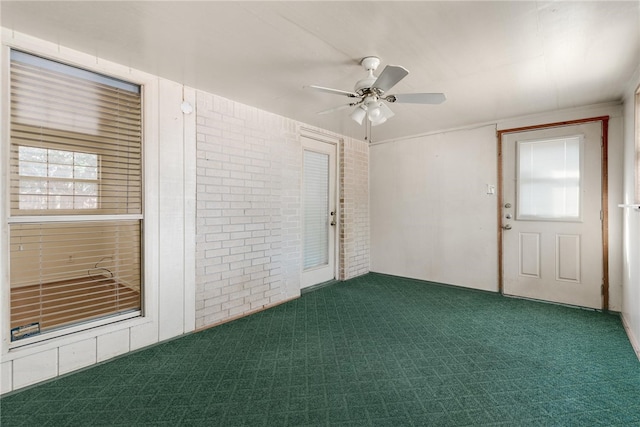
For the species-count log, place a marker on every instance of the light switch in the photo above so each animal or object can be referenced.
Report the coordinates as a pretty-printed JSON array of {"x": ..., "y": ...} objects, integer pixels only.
[{"x": 491, "y": 189}]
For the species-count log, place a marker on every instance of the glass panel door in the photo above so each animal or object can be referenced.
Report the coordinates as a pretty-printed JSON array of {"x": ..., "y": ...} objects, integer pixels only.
[{"x": 316, "y": 209}]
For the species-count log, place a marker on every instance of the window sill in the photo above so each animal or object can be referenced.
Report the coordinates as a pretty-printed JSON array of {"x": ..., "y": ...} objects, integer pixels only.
[{"x": 72, "y": 335}]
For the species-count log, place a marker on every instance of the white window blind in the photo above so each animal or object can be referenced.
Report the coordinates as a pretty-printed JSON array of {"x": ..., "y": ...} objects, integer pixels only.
[
  {"x": 68, "y": 272},
  {"x": 75, "y": 220},
  {"x": 316, "y": 209},
  {"x": 549, "y": 174},
  {"x": 59, "y": 111}
]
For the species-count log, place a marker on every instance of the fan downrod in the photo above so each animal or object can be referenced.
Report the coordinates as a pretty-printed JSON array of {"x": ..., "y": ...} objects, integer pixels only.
[{"x": 363, "y": 86}]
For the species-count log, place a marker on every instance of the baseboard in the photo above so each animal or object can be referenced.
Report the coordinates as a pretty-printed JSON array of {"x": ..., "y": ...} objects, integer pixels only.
[
  {"x": 446, "y": 285},
  {"x": 241, "y": 315},
  {"x": 632, "y": 338}
]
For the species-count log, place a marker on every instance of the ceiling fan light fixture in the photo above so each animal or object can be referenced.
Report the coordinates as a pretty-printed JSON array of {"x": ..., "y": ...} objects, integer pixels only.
[
  {"x": 373, "y": 108},
  {"x": 375, "y": 114},
  {"x": 359, "y": 114},
  {"x": 380, "y": 121},
  {"x": 370, "y": 92}
]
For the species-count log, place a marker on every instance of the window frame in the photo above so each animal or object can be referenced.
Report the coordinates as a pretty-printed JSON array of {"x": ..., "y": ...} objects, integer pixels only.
[
  {"x": 149, "y": 90},
  {"x": 636, "y": 151}
]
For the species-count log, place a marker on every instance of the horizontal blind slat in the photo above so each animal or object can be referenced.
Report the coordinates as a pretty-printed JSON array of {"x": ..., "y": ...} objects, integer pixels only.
[
  {"x": 89, "y": 284},
  {"x": 76, "y": 149}
]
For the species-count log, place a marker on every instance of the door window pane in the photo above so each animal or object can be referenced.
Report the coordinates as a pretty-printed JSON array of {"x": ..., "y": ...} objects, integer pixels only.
[
  {"x": 316, "y": 209},
  {"x": 549, "y": 173}
]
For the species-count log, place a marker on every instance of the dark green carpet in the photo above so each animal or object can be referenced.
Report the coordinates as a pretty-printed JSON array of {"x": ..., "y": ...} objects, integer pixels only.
[{"x": 372, "y": 351}]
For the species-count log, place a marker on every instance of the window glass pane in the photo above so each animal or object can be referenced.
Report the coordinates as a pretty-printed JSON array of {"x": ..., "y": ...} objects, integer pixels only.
[
  {"x": 549, "y": 179},
  {"x": 33, "y": 194},
  {"x": 84, "y": 172},
  {"x": 74, "y": 125},
  {"x": 60, "y": 187},
  {"x": 316, "y": 209},
  {"x": 60, "y": 171},
  {"x": 85, "y": 159},
  {"x": 32, "y": 169},
  {"x": 61, "y": 157},
  {"x": 76, "y": 180},
  {"x": 32, "y": 154},
  {"x": 71, "y": 272}
]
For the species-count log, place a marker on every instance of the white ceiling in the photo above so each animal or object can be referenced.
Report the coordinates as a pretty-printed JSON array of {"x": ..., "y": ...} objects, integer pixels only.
[{"x": 492, "y": 59}]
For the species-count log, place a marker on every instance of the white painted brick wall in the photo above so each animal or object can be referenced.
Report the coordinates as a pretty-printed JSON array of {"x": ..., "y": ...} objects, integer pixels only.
[
  {"x": 248, "y": 239},
  {"x": 354, "y": 208},
  {"x": 249, "y": 228}
]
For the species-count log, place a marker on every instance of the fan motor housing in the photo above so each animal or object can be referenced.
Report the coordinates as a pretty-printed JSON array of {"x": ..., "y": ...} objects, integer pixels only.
[{"x": 363, "y": 86}]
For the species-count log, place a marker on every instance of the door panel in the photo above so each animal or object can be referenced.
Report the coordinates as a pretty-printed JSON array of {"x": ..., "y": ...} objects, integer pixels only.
[
  {"x": 319, "y": 212},
  {"x": 530, "y": 254},
  {"x": 552, "y": 232}
]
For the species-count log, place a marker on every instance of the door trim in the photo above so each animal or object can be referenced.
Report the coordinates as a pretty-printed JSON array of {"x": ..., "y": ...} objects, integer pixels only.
[
  {"x": 604, "y": 202},
  {"x": 321, "y": 137}
]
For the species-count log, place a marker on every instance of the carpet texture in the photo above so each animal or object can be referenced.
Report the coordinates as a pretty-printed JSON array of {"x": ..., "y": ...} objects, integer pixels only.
[{"x": 372, "y": 351}]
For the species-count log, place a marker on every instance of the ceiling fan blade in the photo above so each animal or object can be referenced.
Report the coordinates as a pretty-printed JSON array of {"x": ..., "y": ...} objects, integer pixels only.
[
  {"x": 389, "y": 77},
  {"x": 338, "y": 108},
  {"x": 418, "y": 98},
  {"x": 332, "y": 91}
]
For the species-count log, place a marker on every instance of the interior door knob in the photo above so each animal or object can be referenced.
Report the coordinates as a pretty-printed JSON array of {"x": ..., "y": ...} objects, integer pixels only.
[{"x": 507, "y": 226}]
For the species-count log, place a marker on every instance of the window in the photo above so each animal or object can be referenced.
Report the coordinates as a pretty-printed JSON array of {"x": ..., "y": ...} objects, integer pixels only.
[
  {"x": 76, "y": 218},
  {"x": 549, "y": 177},
  {"x": 57, "y": 179}
]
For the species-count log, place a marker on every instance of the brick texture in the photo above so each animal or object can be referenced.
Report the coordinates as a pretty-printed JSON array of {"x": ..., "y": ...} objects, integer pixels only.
[
  {"x": 354, "y": 209},
  {"x": 248, "y": 229}
]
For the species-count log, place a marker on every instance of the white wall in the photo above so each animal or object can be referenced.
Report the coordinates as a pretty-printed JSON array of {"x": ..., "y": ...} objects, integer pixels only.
[
  {"x": 631, "y": 224},
  {"x": 431, "y": 218}
]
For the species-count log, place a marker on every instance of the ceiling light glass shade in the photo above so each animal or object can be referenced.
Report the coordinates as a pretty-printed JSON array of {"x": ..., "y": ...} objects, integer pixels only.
[
  {"x": 386, "y": 111},
  {"x": 374, "y": 113},
  {"x": 359, "y": 114},
  {"x": 380, "y": 121},
  {"x": 382, "y": 114}
]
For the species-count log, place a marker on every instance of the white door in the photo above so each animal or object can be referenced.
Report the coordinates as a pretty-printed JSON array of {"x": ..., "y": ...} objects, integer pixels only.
[
  {"x": 552, "y": 232},
  {"x": 319, "y": 212}
]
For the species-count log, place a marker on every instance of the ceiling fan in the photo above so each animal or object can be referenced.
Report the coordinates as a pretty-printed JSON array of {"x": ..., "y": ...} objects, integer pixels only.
[{"x": 369, "y": 93}]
